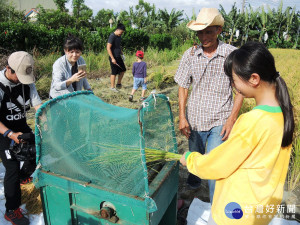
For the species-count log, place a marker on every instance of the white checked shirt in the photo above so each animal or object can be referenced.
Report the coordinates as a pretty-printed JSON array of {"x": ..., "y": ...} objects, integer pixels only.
[{"x": 210, "y": 102}]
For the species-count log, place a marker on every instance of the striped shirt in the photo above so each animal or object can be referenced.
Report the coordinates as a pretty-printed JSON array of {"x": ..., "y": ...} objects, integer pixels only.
[{"x": 210, "y": 102}]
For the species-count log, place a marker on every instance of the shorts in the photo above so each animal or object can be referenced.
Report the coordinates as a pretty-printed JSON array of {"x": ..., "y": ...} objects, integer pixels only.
[
  {"x": 137, "y": 82},
  {"x": 117, "y": 69}
]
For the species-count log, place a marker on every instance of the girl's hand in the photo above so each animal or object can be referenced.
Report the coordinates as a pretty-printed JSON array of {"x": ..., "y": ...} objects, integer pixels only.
[
  {"x": 145, "y": 80},
  {"x": 182, "y": 160}
]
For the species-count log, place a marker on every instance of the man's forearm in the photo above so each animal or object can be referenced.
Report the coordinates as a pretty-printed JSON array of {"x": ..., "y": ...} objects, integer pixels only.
[
  {"x": 3, "y": 128},
  {"x": 237, "y": 104},
  {"x": 182, "y": 100},
  {"x": 108, "y": 48},
  {"x": 110, "y": 54}
]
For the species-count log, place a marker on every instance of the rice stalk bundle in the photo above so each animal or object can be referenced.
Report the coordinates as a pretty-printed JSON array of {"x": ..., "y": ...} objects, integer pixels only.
[
  {"x": 113, "y": 154},
  {"x": 160, "y": 155}
]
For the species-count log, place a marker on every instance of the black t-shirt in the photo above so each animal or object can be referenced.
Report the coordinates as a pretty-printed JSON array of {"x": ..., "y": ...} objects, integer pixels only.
[
  {"x": 116, "y": 44},
  {"x": 74, "y": 70},
  {"x": 10, "y": 114}
]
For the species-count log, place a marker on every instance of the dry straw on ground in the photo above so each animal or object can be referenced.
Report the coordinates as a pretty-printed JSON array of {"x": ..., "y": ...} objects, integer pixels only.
[{"x": 31, "y": 197}]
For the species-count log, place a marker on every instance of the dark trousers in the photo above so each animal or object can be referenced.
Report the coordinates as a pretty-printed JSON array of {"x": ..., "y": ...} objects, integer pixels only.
[{"x": 13, "y": 174}]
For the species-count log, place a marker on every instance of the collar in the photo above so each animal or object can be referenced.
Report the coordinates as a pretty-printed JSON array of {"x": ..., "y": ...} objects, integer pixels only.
[
  {"x": 220, "y": 49},
  {"x": 267, "y": 108},
  {"x": 67, "y": 61}
]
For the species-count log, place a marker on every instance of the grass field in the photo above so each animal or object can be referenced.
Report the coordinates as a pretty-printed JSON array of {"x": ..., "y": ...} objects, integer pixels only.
[
  {"x": 287, "y": 63},
  {"x": 161, "y": 72},
  {"x": 161, "y": 69}
]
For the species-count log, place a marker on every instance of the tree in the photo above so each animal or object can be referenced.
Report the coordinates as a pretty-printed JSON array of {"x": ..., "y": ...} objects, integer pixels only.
[
  {"x": 8, "y": 13},
  {"x": 102, "y": 18},
  {"x": 232, "y": 20},
  {"x": 54, "y": 19},
  {"x": 61, "y": 5},
  {"x": 82, "y": 14},
  {"x": 289, "y": 17},
  {"x": 296, "y": 25},
  {"x": 142, "y": 14},
  {"x": 279, "y": 18},
  {"x": 170, "y": 20},
  {"x": 262, "y": 22},
  {"x": 77, "y": 6},
  {"x": 248, "y": 20},
  {"x": 123, "y": 17}
]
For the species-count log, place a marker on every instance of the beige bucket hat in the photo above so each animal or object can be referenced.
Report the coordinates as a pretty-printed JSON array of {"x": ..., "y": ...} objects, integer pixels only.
[
  {"x": 206, "y": 17},
  {"x": 22, "y": 63}
]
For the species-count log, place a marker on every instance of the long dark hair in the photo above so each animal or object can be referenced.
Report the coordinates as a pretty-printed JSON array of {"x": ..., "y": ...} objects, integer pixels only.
[{"x": 254, "y": 57}]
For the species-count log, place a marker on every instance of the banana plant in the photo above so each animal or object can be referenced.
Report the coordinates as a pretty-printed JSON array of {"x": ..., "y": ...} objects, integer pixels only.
[
  {"x": 289, "y": 17},
  {"x": 171, "y": 19},
  {"x": 297, "y": 24},
  {"x": 232, "y": 20},
  {"x": 263, "y": 22},
  {"x": 280, "y": 18},
  {"x": 249, "y": 18}
]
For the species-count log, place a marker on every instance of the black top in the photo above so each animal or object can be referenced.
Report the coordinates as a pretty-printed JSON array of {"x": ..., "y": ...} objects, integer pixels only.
[
  {"x": 10, "y": 114},
  {"x": 74, "y": 70},
  {"x": 116, "y": 44}
]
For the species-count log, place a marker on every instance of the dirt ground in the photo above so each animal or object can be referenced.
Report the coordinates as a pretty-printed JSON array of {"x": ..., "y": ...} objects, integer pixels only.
[
  {"x": 184, "y": 192},
  {"x": 187, "y": 195}
]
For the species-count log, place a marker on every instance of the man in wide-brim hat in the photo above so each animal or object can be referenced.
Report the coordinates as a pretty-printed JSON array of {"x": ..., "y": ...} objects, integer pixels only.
[{"x": 211, "y": 111}]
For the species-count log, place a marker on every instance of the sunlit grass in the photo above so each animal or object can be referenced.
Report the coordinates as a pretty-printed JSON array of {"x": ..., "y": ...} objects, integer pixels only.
[
  {"x": 162, "y": 66},
  {"x": 294, "y": 169},
  {"x": 287, "y": 63}
]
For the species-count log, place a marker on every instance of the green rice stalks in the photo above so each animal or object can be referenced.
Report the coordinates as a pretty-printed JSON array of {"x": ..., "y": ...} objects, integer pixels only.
[
  {"x": 115, "y": 154},
  {"x": 159, "y": 155}
]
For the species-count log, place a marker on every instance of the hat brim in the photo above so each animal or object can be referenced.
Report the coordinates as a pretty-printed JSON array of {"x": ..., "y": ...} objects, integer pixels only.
[
  {"x": 193, "y": 25},
  {"x": 26, "y": 79},
  {"x": 196, "y": 26}
]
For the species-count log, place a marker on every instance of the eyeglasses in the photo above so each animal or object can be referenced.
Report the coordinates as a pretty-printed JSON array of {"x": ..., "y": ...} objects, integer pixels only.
[{"x": 12, "y": 71}]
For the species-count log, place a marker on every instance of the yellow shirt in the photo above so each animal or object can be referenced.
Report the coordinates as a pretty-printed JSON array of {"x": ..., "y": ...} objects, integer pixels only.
[{"x": 250, "y": 168}]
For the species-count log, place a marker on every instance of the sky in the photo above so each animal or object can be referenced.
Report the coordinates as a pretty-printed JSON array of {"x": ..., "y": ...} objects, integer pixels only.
[{"x": 186, "y": 5}]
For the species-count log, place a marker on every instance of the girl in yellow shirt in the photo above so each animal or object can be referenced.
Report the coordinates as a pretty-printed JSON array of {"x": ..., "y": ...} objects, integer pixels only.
[{"x": 251, "y": 166}]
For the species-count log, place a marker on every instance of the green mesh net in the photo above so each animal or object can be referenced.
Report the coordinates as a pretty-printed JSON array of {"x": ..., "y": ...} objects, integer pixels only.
[{"x": 83, "y": 138}]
